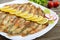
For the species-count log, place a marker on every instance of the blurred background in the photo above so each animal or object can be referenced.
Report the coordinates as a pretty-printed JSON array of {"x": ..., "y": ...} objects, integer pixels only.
[
  {"x": 54, "y": 5},
  {"x": 3, "y": 1}
]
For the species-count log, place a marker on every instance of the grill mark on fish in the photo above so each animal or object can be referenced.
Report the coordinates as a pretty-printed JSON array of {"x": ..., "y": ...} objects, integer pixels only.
[
  {"x": 32, "y": 9},
  {"x": 13, "y": 5},
  {"x": 6, "y": 26},
  {"x": 18, "y": 30},
  {"x": 40, "y": 12},
  {"x": 36, "y": 12},
  {"x": 24, "y": 7},
  {"x": 16, "y": 6},
  {"x": 28, "y": 27},
  {"x": 37, "y": 29},
  {"x": 12, "y": 24},
  {"x": 5, "y": 21},
  {"x": 28, "y": 8},
  {"x": 28, "y": 30},
  {"x": 21, "y": 27},
  {"x": 2, "y": 16},
  {"x": 20, "y": 7},
  {"x": 15, "y": 26}
]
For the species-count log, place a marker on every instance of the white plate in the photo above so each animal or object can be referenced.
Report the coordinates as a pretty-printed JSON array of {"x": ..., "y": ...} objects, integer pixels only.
[{"x": 33, "y": 36}]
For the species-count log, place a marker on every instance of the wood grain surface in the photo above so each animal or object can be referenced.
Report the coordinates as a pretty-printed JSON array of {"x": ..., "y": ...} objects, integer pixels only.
[{"x": 53, "y": 34}]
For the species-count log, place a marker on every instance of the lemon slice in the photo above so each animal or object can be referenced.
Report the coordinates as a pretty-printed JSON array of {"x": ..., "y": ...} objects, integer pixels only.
[
  {"x": 39, "y": 18},
  {"x": 43, "y": 21},
  {"x": 4, "y": 8},
  {"x": 18, "y": 12},
  {"x": 23, "y": 14},
  {"x": 10, "y": 10},
  {"x": 33, "y": 17},
  {"x": 29, "y": 16}
]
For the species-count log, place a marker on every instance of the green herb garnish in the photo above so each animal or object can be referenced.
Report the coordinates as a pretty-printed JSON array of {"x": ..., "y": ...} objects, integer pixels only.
[{"x": 41, "y": 2}]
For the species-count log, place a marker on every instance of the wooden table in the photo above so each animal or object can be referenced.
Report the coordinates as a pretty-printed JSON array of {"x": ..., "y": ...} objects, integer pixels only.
[{"x": 53, "y": 34}]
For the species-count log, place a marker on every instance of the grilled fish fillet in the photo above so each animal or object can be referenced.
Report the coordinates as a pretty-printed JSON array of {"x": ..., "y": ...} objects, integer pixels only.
[{"x": 15, "y": 25}]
